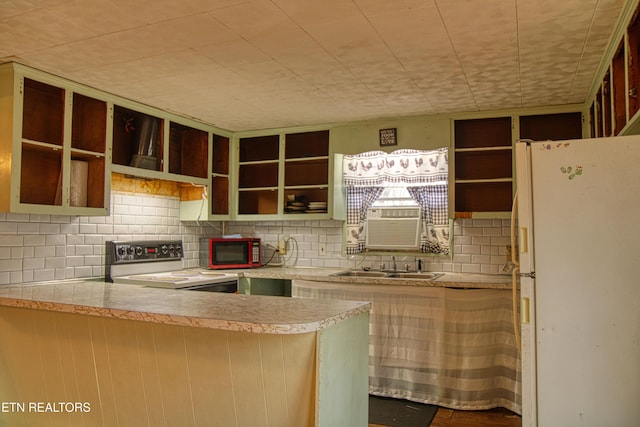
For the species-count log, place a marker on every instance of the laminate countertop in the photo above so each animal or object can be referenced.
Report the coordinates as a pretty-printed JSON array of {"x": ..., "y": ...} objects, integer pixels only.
[
  {"x": 447, "y": 280},
  {"x": 234, "y": 312}
]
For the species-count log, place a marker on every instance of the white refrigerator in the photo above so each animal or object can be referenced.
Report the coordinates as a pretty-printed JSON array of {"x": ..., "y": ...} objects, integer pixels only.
[{"x": 578, "y": 210}]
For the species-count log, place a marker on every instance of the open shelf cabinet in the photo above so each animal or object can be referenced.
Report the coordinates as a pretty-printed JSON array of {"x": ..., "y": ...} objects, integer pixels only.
[
  {"x": 57, "y": 140},
  {"x": 283, "y": 175}
]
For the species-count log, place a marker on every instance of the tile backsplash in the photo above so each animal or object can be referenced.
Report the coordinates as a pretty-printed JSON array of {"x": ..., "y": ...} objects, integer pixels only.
[
  {"x": 37, "y": 248},
  {"x": 479, "y": 246},
  {"x": 52, "y": 247}
]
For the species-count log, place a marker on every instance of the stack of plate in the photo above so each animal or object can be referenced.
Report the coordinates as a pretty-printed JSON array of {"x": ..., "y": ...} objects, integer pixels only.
[
  {"x": 317, "y": 207},
  {"x": 296, "y": 207}
]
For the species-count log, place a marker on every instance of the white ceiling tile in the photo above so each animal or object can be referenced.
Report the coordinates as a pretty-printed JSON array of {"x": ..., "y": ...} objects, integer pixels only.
[{"x": 248, "y": 64}]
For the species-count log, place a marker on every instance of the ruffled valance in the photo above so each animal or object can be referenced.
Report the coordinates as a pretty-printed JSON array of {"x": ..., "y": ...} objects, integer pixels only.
[{"x": 373, "y": 168}]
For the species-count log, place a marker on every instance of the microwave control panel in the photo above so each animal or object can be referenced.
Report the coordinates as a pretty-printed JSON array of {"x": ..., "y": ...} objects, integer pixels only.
[{"x": 255, "y": 252}]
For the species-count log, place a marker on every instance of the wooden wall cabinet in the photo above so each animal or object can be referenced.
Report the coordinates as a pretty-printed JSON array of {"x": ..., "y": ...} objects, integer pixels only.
[
  {"x": 483, "y": 181},
  {"x": 150, "y": 143},
  {"x": 483, "y": 165},
  {"x": 283, "y": 175},
  {"x": 210, "y": 201},
  {"x": 615, "y": 106},
  {"x": 54, "y": 145},
  {"x": 220, "y": 177}
]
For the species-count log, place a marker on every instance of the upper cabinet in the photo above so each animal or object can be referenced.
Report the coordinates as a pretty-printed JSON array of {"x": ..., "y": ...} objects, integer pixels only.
[
  {"x": 54, "y": 136},
  {"x": 60, "y": 142},
  {"x": 150, "y": 143},
  {"x": 306, "y": 173},
  {"x": 483, "y": 164},
  {"x": 283, "y": 175},
  {"x": 220, "y": 177},
  {"x": 615, "y": 103},
  {"x": 138, "y": 140}
]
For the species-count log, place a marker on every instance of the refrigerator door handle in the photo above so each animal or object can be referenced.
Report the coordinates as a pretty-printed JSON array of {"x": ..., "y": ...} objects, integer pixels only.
[{"x": 523, "y": 236}]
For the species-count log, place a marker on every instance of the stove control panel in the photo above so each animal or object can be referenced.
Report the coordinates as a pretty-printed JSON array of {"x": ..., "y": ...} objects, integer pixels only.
[{"x": 144, "y": 251}]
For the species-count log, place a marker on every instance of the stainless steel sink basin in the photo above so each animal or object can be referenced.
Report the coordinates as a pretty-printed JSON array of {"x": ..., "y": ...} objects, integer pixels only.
[
  {"x": 358, "y": 273},
  {"x": 421, "y": 276},
  {"x": 388, "y": 274}
]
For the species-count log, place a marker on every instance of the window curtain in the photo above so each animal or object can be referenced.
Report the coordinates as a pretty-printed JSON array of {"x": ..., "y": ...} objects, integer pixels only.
[
  {"x": 435, "y": 221},
  {"x": 374, "y": 168},
  {"x": 365, "y": 175},
  {"x": 359, "y": 199}
]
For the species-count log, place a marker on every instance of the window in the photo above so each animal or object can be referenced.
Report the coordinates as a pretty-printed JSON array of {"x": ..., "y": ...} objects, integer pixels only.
[{"x": 401, "y": 178}]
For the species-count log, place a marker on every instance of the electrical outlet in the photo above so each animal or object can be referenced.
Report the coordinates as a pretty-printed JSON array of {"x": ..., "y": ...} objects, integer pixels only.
[
  {"x": 322, "y": 249},
  {"x": 282, "y": 247}
]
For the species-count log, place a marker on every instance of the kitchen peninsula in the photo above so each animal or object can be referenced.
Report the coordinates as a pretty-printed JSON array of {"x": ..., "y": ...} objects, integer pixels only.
[{"x": 121, "y": 355}]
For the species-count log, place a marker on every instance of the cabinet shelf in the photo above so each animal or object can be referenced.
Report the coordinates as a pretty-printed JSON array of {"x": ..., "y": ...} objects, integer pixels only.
[
  {"x": 41, "y": 145},
  {"x": 469, "y": 150},
  {"x": 86, "y": 153},
  {"x": 480, "y": 181}
]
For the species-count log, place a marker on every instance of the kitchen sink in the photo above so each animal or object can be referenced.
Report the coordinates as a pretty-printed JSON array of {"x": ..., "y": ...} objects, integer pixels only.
[
  {"x": 359, "y": 273},
  {"x": 388, "y": 274},
  {"x": 422, "y": 276}
]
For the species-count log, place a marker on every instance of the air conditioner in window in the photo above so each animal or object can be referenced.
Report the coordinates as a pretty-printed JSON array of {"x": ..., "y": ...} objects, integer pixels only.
[{"x": 393, "y": 228}]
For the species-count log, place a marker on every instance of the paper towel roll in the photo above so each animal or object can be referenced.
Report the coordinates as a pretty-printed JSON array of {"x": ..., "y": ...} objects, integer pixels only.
[{"x": 79, "y": 178}]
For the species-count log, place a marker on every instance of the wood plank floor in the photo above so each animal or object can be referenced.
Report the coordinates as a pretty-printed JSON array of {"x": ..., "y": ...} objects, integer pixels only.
[{"x": 491, "y": 418}]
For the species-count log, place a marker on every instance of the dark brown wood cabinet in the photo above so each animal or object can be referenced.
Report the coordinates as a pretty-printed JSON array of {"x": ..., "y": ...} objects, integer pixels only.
[
  {"x": 553, "y": 127},
  {"x": 484, "y": 157},
  {"x": 138, "y": 139},
  {"x": 188, "y": 151},
  {"x": 63, "y": 145},
  {"x": 220, "y": 176},
  {"x": 284, "y": 174},
  {"x": 483, "y": 165}
]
